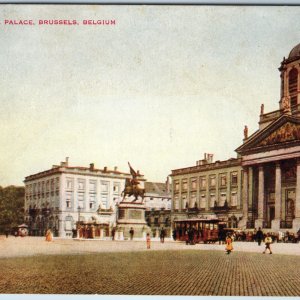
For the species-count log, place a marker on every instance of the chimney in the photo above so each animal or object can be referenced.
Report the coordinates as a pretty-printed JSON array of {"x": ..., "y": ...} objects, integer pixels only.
[
  {"x": 168, "y": 184},
  {"x": 67, "y": 161},
  {"x": 138, "y": 172},
  {"x": 91, "y": 167},
  {"x": 115, "y": 169},
  {"x": 105, "y": 169}
]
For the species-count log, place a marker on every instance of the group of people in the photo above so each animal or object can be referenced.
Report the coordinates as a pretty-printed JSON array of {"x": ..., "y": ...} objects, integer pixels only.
[
  {"x": 260, "y": 237},
  {"x": 256, "y": 235}
]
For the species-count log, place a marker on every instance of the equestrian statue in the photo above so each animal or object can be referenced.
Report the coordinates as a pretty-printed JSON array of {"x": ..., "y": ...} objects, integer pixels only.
[{"x": 132, "y": 186}]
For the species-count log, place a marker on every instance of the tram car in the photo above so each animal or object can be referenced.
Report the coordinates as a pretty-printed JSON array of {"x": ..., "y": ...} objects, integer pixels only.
[{"x": 194, "y": 231}]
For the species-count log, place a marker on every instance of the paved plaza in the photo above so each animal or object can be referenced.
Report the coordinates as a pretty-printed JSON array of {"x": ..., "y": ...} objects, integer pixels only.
[{"x": 32, "y": 265}]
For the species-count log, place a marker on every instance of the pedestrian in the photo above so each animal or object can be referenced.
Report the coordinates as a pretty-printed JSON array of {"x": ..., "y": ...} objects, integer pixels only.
[
  {"x": 298, "y": 235},
  {"x": 148, "y": 240},
  {"x": 49, "y": 235},
  {"x": 229, "y": 246},
  {"x": 268, "y": 241},
  {"x": 131, "y": 232},
  {"x": 6, "y": 233},
  {"x": 162, "y": 235},
  {"x": 174, "y": 234},
  {"x": 16, "y": 233},
  {"x": 259, "y": 236},
  {"x": 113, "y": 233}
]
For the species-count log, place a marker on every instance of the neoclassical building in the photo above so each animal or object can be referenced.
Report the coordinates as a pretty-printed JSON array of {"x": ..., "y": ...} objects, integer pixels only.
[
  {"x": 60, "y": 197},
  {"x": 267, "y": 169}
]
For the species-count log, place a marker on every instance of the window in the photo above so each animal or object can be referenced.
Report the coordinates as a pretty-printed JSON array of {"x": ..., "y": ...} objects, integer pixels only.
[
  {"x": 104, "y": 201},
  {"x": 104, "y": 186},
  {"x": 192, "y": 200},
  {"x": 69, "y": 182},
  {"x": 212, "y": 200},
  {"x": 293, "y": 78},
  {"x": 234, "y": 178},
  {"x": 116, "y": 188},
  {"x": 52, "y": 184},
  {"x": 47, "y": 185},
  {"x": 233, "y": 199},
  {"x": 223, "y": 179},
  {"x": 57, "y": 183},
  {"x": 92, "y": 205},
  {"x": 176, "y": 186},
  {"x": 92, "y": 186},
  {"x": 203, "y": 201},
  {"x": 80, "y": 198},
  {"x": 222, "y": 199},
  {"x": 184, "y": 202},
  {"x": 184, "y": 185},
  {"x": 193, "y": 183},
  {"x": 212, "y": 181},
  {"x": 68, "y": 200},
  {"x": 176, "y": 203},
  {"x": 80, "y": 184}
]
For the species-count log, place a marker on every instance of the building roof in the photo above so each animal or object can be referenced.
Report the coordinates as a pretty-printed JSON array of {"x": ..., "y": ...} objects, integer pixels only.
[
  {"x": 158, "y": 188},
  {"x": 295, "y": 52}
]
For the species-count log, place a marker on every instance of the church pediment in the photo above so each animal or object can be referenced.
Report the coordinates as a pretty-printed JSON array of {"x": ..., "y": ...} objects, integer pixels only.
[
  {"x": 282, "y": 131},
  {"x": 286, "y": 133}
]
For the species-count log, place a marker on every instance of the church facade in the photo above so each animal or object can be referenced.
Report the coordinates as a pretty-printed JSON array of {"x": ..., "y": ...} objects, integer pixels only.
[{"x": 267, "y": 169}]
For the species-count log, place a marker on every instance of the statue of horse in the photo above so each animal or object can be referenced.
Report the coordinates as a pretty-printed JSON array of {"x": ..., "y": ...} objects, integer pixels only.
[{"x": 133, "y": 190}]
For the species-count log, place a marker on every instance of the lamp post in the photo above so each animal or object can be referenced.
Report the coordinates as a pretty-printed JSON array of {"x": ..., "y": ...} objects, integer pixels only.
[{"x": 79, "y": 209}]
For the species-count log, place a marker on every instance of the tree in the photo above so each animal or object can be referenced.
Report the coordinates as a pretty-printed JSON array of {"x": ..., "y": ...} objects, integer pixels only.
[{"x": 11, "y": 207}]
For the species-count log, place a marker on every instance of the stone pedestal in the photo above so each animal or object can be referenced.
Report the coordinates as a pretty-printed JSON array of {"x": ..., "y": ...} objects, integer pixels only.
[{"x": 132, "y": 215}]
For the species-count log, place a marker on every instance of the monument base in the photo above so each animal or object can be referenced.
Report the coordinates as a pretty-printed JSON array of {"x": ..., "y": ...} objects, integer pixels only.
[{"x": 131, "y": 216}]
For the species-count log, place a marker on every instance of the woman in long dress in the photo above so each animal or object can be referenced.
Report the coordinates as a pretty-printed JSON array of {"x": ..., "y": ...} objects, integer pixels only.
[
  {"x": 229, "y": 246},
  {"x": 49, "y": 236}
]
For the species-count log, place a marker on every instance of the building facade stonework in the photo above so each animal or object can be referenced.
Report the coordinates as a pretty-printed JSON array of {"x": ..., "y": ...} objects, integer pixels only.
[{"x": 261, "y": 188}]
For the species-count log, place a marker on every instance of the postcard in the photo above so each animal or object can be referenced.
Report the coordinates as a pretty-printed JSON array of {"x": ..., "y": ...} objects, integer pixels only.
[{"x": 149, "y": 150}]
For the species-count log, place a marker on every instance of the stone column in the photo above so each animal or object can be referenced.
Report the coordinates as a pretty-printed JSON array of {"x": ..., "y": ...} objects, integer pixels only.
[
  {"x": 250, "y": 189},
  {"x": 261, "y": 197},
  {"x": 296, "y": 221},
  {"x": 276, "y": 221},
  {"x": 245, "y": 192},
  {"x": 101, "y": 233}
]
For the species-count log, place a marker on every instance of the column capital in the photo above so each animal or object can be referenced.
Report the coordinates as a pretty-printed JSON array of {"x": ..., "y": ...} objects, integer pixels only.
[{"x": 278, "y": 164}]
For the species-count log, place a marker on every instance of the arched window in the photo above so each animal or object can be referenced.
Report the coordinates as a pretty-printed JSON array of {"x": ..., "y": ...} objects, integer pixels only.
[{"x": 293, "y": 81}]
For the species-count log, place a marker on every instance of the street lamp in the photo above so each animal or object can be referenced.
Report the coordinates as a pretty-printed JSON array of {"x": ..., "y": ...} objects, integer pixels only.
[{"x": 79, "y": 209}]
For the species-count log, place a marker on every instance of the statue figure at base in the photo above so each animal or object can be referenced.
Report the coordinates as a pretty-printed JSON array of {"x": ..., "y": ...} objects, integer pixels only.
[{"x": 132, "y": 186}]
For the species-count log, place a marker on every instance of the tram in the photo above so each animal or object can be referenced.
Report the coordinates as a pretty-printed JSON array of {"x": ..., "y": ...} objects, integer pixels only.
[{"x": 197, "y": 230}]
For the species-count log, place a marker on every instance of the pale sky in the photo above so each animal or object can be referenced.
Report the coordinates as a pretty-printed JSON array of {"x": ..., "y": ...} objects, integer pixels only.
[{"x": 159, "y": 89}]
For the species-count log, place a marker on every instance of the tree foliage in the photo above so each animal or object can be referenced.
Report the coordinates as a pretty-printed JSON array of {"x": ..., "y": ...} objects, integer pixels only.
[{"x": 11, "y": 207}]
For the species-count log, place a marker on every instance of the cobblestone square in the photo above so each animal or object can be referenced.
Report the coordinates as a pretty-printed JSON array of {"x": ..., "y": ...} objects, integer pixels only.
[{"x": 127, "y": 268}]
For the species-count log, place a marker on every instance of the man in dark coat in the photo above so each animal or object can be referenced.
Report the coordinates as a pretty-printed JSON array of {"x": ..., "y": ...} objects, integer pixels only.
[{"x": 259, "y": 236}]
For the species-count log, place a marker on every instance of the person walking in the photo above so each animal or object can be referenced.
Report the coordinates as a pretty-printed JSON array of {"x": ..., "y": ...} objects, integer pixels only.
[
  {"x": 268, "y": 242},
  {"x": 259, "y": 236},
  {"x": 229, "y": 246},
  {"x": 49, "y": 235},
  {"x": 148, "y": 240},
  {"x": 131, "y": 232},
  {"x": 162, "y": 235}
]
